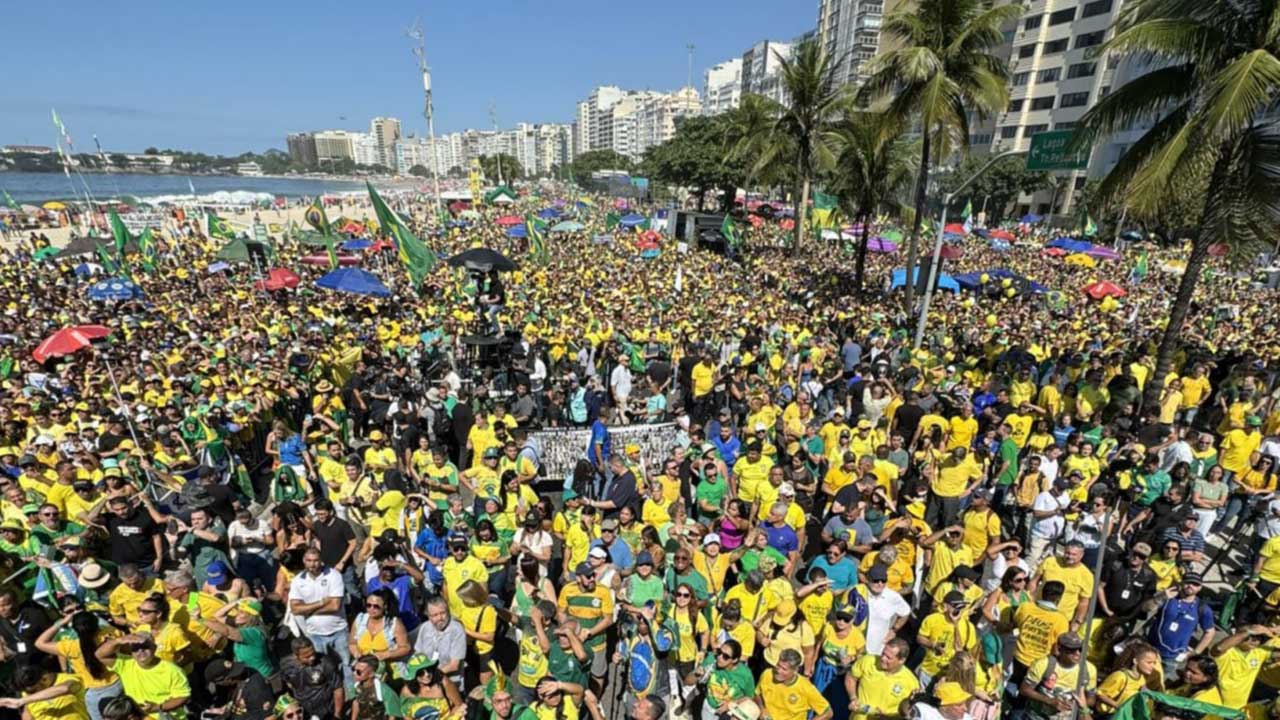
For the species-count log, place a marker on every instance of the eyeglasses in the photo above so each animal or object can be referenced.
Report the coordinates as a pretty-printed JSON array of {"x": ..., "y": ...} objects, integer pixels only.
[
  {"x": 843, "y": 618},
  {"x": 147, "y": 611},
  {"x": 876, "y": 582},
  {"x": 726, "y": 656},
  {"x": 1141, "y": 556},
  {"x": 375, "y": 606},
  {"x": 683, "y": 595},
  {"x": 1020, "y": 579}
]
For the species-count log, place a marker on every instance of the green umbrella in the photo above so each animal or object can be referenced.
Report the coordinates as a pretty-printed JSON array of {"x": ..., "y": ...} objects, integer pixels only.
[
  {"x": 893, "y": 235},
  {"x": 234, "y": 251},
  {"x": 45, "y": 253}
]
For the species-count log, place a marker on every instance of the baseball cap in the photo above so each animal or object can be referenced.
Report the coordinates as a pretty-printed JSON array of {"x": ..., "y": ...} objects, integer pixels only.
[
  {"x": 787, "y": 489},
  {"x": 950, "y": 692},
  {"x": 609, "y": 524},
  {"x": 955, "y": 597},
  {"x": 644, "y": 558},
  {"x": 216, "y": 573},
  {"x": 1192, "y": 578},
  {"x": 584, "y": 568},
  {"x": 377, "y": 435},
  {"x": 1141, "y": 548},
  {"x": 599, "y": 552},
  {"x": 878, "y": 573},
  {"x": 491, "y": 454},
  {"x": 711, "y": 538},
  {"x": 1070, "y": 641}
]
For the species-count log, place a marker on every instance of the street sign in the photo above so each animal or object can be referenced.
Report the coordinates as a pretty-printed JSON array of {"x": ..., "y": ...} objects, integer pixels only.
[{"x": 1049, "y": 152}]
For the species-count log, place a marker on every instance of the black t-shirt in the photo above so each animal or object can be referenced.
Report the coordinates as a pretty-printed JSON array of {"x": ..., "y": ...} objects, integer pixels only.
[
  {"x": 1128, "y": 588},
  {"x": 623, "y": 494},
  {"x": 333, "y": 540},
  {"x": 222, "y": 505},
  {"x": 131, "y": 538},
  {"x": 255, "y": 699},
  {"x": 313, "y": 685},
  {"x": 908, "y": 419}
]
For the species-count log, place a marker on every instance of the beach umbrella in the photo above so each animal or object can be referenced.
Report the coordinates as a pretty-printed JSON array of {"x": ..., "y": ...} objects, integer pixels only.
[
  {"x": 114, "y": 289},
  {"x": 881, "y": 245},
  {"x": 482, "y": 259},
  {"x": 343, "y": 260},
  {"x": 45, "y": 253},
  {"x": 631, "y": 220},
  {"x": 356, "y": 245},
  {"x": 945, "y": 282},
  {"x": 999, "y": 245},
  {"x": 892, "y": 235},
  {"x": 354, "y": 281},
  {"x": 951, "y": 252},
  {"x": 381, "y": 246},
  {"x": 352, "y": 228},
  {"x": 1081, "y": 260},
  {"x": 549, "y": 213},
  {"x": 69, "y": 340},
  {"x": 1001, "y": 235},
  {"x": 955, "y": 229},
  {"x": 235, "y": 250},
  {"x": 54, "y": 205},
  {"x": 278, "y": 279},
  {"x": 1104, "y": 288},
  {"x": 1102, "y": 253},
  {"x": 567, "y": 226},
  {"x": 1215, "y": 250},
  {"x": 1056, "y": 252},
  {"x": 517, "y": 231},
  {"x": 509, "y": 220}
]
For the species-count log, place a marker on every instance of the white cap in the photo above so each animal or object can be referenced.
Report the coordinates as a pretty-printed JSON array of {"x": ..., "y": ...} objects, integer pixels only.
[
  {"x": 599, "y": 552},
  {"x": 711, "y": 538},
  {"x": 760, "y": 427},
  {"x": 44, "y": 440},
  {"x": 787, "y": 489}
]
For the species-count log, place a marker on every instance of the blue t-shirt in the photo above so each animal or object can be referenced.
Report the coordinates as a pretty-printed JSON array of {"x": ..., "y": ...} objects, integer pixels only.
[
  {"x": 291, "y": 450},
  {"x": 407, "y": 613},
  {"x": 728, "y": 449},
  {"x": 619, "y": 554},
  {"x": 843, "y": 575},
  {"x": 1174, "y": 624},
  {"x": 599, "y": 436},
  {"x": 783, "y": 539},
  {"x": 435, "y": 547}
]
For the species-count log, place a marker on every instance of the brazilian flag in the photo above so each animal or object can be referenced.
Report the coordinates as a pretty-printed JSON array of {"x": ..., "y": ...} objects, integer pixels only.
[
  {"x": 317, "y": 219},
  {"x": 219, "y": 228}
]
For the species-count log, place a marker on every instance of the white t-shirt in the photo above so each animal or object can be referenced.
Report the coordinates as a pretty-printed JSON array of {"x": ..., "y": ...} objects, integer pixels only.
[
  {"x": 620, "y": 381},
  {"x": 1174, "y": 454},
  {"x": 1051, "y": 526},
  {"x": 1048, "y": 468},
  {"x": 882, "y": 611},
  {"x": 257, "y": 536},
  {"x": 308, "y": 589},
  {"x": 995, "y": 568}
]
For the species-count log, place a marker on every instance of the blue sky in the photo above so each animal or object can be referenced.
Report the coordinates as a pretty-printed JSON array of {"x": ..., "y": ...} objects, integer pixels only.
[{"x": 232, "y": 76}]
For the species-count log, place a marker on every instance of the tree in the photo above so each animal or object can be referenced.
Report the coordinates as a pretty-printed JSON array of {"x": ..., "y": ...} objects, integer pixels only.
[
  {"x": 806, "y": 123},
  {"x": 119, "y": 160},
  {"x": 511, "y": 169},
  {"x": 695, "y": 157},
  {"x": 595, "y": 160},
  {"x": 419, "y": 171},
  {"x": 151, "y": 151},
  {"x": 1219, "y": 73},
  {"x": 748, "y": 140},
  {"x": 874, "y": 169},
  {"x": 944, "y": 68},
  {"x": 997, "y": 188}
]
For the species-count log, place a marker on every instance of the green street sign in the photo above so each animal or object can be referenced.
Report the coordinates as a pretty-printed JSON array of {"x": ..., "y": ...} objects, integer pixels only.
[{"x": 1049, "y": 152}]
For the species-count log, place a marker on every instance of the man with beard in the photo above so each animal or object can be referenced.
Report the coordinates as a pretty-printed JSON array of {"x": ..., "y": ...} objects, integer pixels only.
[{"x": 315, "y": 680}]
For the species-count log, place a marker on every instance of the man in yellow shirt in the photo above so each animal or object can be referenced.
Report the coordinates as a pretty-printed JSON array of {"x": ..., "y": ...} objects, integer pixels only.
[
  {"x": 458, "y": 568},
  {"x": 1195, "y": 388},
  {"x": 832, "y": 429},
  {"x": 124, "y": 600},
  {"x": 981, "y": 524},
  {"x": 784, "y": 694},
  {"x": 962, "y": 428},
  {"x": 1076, "y": 579},
  {"x": 48, "y": 696},
  {"x": 944, "y": 633},
  {"x": 947, "y": 555},
  {"x": 1241, "y": 656},
  {"x": 880, "y": 684},
  {"x": 1238, "y": 446},
  {"x": 1038, "y": 624},
  {"x": 957, "y": 475},
  {"x": 751, "y": 471}
]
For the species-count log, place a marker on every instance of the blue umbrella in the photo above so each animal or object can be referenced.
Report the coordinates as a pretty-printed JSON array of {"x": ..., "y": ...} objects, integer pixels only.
[
  {"x": 1031, "y": 218},
  {"x": 567, "y": 226},
  {"x": 631, "y": 220},
  {"x": 517, "y": 231},
  {"x": 456, "y": 224},
  {"x": 354, "y": 280},
  {"x": 87, "y": 269},
  {"x": 353, "y": 245},
  {"x": 1000, "y": 246},
  {"x": 549, "y": 213},
  {"x": 945, "y": 281},
  {"x": 114, "y": 289}
]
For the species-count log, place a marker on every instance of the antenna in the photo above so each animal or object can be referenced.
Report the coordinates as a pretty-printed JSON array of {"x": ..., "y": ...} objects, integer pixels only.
[
  {"x": 419, "y": 49},
  {"x": 690, "y": 47}
]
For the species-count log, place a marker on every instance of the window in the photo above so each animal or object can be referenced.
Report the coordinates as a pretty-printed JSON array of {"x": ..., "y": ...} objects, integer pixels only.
[
  {"x": 1032, "y": 23},
  {"x": 1042, "y": 103},
  {"x": 1090, "y": 39},
  {"x": 1056, "y": 46},
  {"x": 1074, "y": 99},
  {"x": 1009, "y": 132},
  {"x": 1007, "y": 36},
  {"x": 980, "y": 139},
  {"x": 1030, "y": 130},
  {"x": 1080, "y": 181},
  {"x": 1015, "y": 105},
  {"x": 1065, "y": 125},
  {"x": 1020, "y": 79},
  {"x": 1026, "y": 51},
  {"x": 1062, "y": 16},
  {"x": 1080, "y": 70},
  {"x": 1113, "y": 62},
  {"x": 1097, "y": 7},
  {"x": 1049, "y": 75}
]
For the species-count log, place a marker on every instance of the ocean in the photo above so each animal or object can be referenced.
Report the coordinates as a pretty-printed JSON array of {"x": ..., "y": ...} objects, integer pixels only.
[{"x": 35, "y": 188}]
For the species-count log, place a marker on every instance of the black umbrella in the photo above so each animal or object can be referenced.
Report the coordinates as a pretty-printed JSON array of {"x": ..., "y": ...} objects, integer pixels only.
[
  {"x": 83, "y": 245},
  {"x": 483, "y": 260}
]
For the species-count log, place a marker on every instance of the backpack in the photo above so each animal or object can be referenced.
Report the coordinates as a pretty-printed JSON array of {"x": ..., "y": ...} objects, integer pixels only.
[{"x": 578, "y": 406}]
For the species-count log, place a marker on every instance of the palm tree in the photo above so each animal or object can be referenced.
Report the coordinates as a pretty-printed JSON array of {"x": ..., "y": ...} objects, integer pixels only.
[
  {"x": 748, "y": 138},
  {"x": 873, "y": 170},
  {"x": 944, "y": 69},
  {"x": 805, "y": 123},
  {"x": 1217, "y": 71}
]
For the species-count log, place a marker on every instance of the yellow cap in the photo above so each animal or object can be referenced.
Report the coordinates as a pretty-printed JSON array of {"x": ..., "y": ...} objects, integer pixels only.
[
  {"x": 785, "y": 611},
  {"x": 950, "y": 693}
]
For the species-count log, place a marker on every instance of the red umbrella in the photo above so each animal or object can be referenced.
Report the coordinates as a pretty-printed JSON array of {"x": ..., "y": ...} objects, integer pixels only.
[
  {"x": 353, "y": 228},
  {"x": 787, "y": 224},
  {"x": 278, "y": 279},
  {"x": 1055, "y": 251},
  {"x": 1218, "y": 250},
  {"x": 951, "y": 252},
  {"x": 381, "y": 245},
  {"x": 508, "y": 220},
  {"x": 1103, "y": 288},
  {"x": 69, "y": 340},
  {"x": 956, "y": 228},
  {"x": 1002, "y": 235}
]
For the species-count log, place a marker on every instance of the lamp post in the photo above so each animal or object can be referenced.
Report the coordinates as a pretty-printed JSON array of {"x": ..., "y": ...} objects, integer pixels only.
[
  {"x": 937, "y": 246},
  {"x": 421, "y": 53}
]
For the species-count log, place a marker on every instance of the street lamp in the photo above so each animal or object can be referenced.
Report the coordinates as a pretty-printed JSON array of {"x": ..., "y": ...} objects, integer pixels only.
[
  {"x": 420, "y": 52},
  {"x": 937, "y": 246}
]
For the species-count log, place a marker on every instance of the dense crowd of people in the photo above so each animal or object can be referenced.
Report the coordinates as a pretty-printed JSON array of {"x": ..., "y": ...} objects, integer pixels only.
[{"x": 309, "y": 504}]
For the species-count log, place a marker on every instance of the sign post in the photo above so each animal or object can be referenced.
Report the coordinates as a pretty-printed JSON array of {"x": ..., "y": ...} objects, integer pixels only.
[{"x": 1050, "y": 151}]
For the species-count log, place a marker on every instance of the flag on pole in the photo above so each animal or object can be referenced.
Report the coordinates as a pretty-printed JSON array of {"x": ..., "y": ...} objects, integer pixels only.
[
  {"x": 219, "y": 228},
  {"x": 968, "y": 217},
  {"x": 611, "y": 220},
  {"x": 147, "y": 244},
  {"x": 730, "y": 234},
  {"x": 192, "y": 186},
  {"x": 57, "y": 122},
  {"x": 537, "y": 247},
  {"x": 1140, "y": 267},
  {"x": 1090, "y": 227},
  {"x": 108, "y": 263},
  {"x": 316, "y": 218},
  {"x": 416, "y": 257},
  {"x": 119, "y": 232},
  {"x": 10, "y": 202}
]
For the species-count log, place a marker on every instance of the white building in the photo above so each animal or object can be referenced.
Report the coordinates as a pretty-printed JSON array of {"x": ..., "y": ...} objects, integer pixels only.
[
  {"x": 594, "y": 127},
  {"x": 385, "y": 133},
  {"x": 722, "y": 87},
  {"x": 630, "y": 121},
  {"x": 849, "y": 30},
  {"x": 333, "y": 145},
  {"x": 365, "y": 149},
  {"x": 657, "y": 114},
  {"x": 761, "y": 64},
  {"x": 249, "y": 169}
]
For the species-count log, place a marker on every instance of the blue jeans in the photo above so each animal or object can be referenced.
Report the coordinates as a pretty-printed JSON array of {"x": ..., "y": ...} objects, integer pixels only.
[
  {"x": 336, "y": 642},
  {"x": 93, "y": 698}
]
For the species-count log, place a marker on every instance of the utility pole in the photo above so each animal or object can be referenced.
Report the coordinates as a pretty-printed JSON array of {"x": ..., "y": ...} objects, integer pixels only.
[
  {"x": 690, "y": 48},
  {"x": 493, "y": 116},
  {"x": 420, "y": 52}
]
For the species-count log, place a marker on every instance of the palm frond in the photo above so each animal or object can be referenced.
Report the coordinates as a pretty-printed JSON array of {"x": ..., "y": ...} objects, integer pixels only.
[
  {"x": 1237, "y": 93},
  {"x": 1140, "y": 98}
]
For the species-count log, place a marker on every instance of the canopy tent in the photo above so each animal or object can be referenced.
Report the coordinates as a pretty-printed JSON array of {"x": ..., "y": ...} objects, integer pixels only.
[
  {"x": 482, "y": 259},
  {"x": 355, "y": 281},
  {"x": 999, "y": 245},
  {"x": 548, "y": 213},
  {"x": 1102, "y": 252},
  {"x": 84, "y": 245},
  {"x": 1055, "y": 252},
  {"x": 1000, "y": 235},
  {"x": 356, "y": 245},
  {"x": 951, "y": 252},
  {"x": 1081, "y": 260},
  {"x": 955, "y": 229},
  {"x": 997, "y": 277},
  {"x": 278, "y": 279},
  {"x": 945, "y": 281},
  {"x": 501, "y": 195},
  {"x": 1006, "y": 274},
  {"x": 1104, "y": 288}
]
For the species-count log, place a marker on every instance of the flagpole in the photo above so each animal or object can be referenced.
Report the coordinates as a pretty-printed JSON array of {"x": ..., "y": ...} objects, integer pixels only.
[{"x": 421, "y": 52}]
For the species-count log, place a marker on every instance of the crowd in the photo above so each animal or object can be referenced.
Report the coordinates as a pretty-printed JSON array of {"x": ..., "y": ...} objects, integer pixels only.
[{"x": 307, "y": 504}]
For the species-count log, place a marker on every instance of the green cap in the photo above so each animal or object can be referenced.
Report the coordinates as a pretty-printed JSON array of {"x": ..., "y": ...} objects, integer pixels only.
[
  {"x": 569, "y": 494},
  {"x": 418, "y": 663},
  {"x": 1253, "y": 421}
]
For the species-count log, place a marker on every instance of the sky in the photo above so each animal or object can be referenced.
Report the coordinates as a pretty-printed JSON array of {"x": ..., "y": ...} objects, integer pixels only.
[{"x": 235, "y": 76}]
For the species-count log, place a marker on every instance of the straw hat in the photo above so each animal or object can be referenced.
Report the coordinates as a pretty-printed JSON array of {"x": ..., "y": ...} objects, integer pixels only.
[{"x": 93, "y": 576}]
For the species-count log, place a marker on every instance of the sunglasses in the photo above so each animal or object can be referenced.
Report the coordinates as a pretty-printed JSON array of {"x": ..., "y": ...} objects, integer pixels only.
[
  {"x": 1141, "y": 556},
  {"x": 375, "y": 606},
  {"x": 1020, "y": 579},
  {"x": 726, "y": 656},
  {"x": 683, "y": 595},
  {"x": 876, "y": 582},
  {"x": 147, "y": 611}
]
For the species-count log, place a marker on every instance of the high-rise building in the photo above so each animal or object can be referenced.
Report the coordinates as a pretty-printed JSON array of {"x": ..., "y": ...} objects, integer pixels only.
[
  {"x": 595, "y": 119},
  {"x": 760, "y": 69},
  {"x": 1055, "y": 77},
  {"x": 365, "y": 149},
  {"x": 849, "y": 31},
  {"x": 385, "y": 133},
  {"x": 302, "y": 148},
  {"x": 722, "y": 87},
  {"x": 333, "y": 145},
  {"x": 630, "y": 121}
]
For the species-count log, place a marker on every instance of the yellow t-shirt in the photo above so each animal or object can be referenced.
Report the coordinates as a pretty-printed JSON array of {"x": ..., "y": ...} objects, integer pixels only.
[
  {"x": 1270, "y": 552},
  {"x": 1078, "y": 582},
  {"x": 1194, "y": 390},
  {"x": 533, "y": 662},
  {"x": 1237, "y": 445},
  {"x": 790, "y": 702},
  {"x": 946, "y": 560},
  {"x": 456, "y": 573},
  {"x": 955, "y": 475},
  {"x": 157, "y": 684},
  {"x": 963, "y": 431},
  {"x": 687, "y": 631},
  {"x": 879, "y": 691},
  {"x": 751, "y": 477},
  {"x": 482, "y": 619},
  {"x": 1067, "y": 679},
  {"x": 124, "y": 600},
  {"x": 1237, "y": 671},
  {"x": 815, "y": 607},
  {"x": 979, "y": 528},
  {"x": 1038, "y": 629},
  {"x": 944, "y": 634},
  {"x": 703, "y": 377},
  {"x": 70, "y": 649},
  {"x": 66, "y": 707},
  {"x": 1120, "y": 686}
]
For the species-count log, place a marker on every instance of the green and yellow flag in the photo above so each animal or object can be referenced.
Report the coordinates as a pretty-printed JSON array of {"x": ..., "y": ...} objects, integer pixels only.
[
  {"x": 316, "y": 218},
  {"x": 147, "y": 244},
  {"x": 537, "y": 246},
  {"x": 219, "y": 228},
  {"x": 10, "y": 202},
  {"x": 730, "y": 233},
  {"x": 119, "y": 232},
  {"x": 611, "y": 220},
  {"x": 416, "y": 257}
]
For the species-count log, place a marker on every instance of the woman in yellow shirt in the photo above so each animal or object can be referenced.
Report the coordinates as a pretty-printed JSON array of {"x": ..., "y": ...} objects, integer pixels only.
[
  {"x": 787, "y": 630},
  {"x": 97, "y": 681},
  {"x": 1165, "y": 565},
  {"x": 1137, "y": 668},
  {"x": 692, "y": 633},
  {"x": 379, "y": 633},
  {"x": 480, "y": 623}
]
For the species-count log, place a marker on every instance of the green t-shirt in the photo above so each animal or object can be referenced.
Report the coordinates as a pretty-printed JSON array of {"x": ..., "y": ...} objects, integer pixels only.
[
  {"x": 642, "y": 590},
  {"x": 750, "y": 560},
  {"x": 725, "y": 686},
  {"x": 1008, "y": 454},
  {"x": 563, "y": 666},
  {"x": 252, "y": 650},
  {"x": 693, "y": 579},
  {"x": 712, "y": 493},
  {"x": 50, "y": 537}
]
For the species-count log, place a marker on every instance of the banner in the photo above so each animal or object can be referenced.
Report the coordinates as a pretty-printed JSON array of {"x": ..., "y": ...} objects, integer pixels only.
[
  {"x": 137, "y": 222},
  {"x": 562, "y": 448}
]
